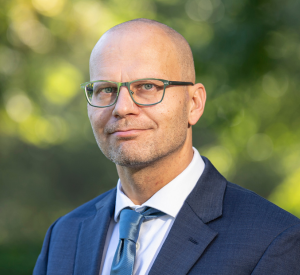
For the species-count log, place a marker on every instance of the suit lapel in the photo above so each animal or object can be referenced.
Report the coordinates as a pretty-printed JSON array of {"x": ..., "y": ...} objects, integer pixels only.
[
  {"x": 92, "y": 237},
  {"x": 184, "y": 245},
  {"x": 190, "y": 235}
]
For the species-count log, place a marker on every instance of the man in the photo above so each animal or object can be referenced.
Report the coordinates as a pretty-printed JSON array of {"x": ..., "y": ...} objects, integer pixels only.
[{"x": 172, "y": 212}]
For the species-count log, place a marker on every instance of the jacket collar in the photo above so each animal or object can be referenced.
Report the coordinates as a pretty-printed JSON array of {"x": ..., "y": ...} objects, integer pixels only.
[
  {"x": 92, "y": 236},
  {"x": 206, "y": 199}
]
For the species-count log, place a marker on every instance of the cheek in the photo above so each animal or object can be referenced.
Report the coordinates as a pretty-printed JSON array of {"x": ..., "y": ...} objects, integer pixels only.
[
  {"x": 174, "y": 107},
  {"x": 98, "y": 118},
  {"x": 171, "y": 120}
]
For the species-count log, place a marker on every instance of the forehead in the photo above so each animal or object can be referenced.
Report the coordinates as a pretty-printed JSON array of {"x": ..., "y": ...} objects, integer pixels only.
[{"x": 131, "y": 54}]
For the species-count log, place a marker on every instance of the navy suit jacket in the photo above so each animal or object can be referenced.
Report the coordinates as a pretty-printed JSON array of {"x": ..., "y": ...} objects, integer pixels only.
[{"x": 221, "y": 229}]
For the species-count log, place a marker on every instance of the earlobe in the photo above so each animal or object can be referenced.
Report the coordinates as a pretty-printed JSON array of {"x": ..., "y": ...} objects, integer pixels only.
[{"x": 197, "y": 99}]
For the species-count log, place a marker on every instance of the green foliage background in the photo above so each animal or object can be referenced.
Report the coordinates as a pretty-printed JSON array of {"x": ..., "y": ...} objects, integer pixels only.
[{"x": 247, "y": 54}]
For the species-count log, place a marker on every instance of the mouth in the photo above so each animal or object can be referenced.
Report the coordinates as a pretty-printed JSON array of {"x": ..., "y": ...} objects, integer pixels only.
[{"x": 128, "y": 132}]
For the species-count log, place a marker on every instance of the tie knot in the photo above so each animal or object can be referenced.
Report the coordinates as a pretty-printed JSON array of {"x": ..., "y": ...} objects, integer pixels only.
[{"x": 130, "y": 222}]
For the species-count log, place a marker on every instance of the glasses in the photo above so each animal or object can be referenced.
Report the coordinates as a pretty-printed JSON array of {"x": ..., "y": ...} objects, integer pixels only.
[{"x": 145, "y": 92}]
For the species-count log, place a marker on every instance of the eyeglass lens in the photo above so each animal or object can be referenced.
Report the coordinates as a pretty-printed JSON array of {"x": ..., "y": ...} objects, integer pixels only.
[{"x": 142, "y": 91}]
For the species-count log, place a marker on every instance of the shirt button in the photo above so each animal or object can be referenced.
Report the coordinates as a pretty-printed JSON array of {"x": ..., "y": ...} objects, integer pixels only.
[{"x": 137, "y": 245}]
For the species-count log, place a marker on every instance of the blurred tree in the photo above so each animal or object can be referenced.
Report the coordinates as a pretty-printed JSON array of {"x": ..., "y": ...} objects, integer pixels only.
[{"x": 246, "y": 53}]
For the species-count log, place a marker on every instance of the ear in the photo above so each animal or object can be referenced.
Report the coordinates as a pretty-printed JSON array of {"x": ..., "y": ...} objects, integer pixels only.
[{"x": 197, "y": 102}]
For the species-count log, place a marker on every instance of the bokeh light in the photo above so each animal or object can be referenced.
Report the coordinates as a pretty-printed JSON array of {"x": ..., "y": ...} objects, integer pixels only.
[
  {"x": 220, "y": 157},
  {"x": 19, "y": 107},
  {"x": 287, "y": 194},
  {"x": 260, "y": 147},
  {"x": 61, "y": 83},
  {"x": 49, "y": 7}
]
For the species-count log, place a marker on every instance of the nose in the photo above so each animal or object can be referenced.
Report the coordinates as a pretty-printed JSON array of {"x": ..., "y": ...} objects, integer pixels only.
[{"x": 125, "y": 105}]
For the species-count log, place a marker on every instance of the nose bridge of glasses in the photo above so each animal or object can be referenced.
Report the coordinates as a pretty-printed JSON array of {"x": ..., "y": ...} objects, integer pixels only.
[
  {"x": 124, "y": 101},
  {"x": 127, "y": 85}
]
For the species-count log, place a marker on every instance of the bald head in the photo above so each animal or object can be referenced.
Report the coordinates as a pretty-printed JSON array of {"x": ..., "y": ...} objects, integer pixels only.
[{"x": 143, "y": 33}]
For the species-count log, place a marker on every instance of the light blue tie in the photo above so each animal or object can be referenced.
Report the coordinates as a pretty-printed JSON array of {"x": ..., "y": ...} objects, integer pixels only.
[{"x": 130, "y": 223}]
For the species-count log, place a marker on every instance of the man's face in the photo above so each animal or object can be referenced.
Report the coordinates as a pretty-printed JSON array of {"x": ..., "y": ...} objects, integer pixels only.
[{"x": 129, "y": 134}]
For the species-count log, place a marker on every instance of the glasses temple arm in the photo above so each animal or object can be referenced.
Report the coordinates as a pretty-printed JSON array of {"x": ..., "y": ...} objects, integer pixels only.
[{"x": 180, "y": 83}]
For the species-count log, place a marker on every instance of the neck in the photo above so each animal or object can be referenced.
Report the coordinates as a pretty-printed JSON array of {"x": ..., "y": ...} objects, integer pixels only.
[{"x": 140, "y": 184}]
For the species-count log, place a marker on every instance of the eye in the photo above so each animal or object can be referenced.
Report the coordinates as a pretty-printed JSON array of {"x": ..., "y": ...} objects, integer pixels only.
[
  {"x": 108, "y": 90},
  {"x": 148, "y": 86}
]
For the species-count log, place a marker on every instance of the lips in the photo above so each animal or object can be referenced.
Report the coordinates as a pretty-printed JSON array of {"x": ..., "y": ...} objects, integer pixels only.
[
  {"x": 114, "y": 128},
  {"x": 127, "y": 132},
  {"x": 128, "y": 127}
]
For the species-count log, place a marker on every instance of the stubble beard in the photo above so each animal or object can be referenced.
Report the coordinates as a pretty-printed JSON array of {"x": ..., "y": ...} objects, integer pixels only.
[{"x": 144, "y": 153}]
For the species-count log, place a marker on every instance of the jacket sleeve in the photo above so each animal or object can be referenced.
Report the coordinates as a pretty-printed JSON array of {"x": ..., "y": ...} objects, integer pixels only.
[
  {"x": 282, "y": 257},
  {"x": 42, "y": 261}
]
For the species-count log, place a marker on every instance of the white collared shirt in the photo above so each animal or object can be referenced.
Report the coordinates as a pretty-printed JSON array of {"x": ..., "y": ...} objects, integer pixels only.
[{"x": 153, "y": 233}]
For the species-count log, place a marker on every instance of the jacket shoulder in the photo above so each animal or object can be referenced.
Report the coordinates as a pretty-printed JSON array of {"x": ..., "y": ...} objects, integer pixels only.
[
  {"x": 60, "y": 244},
  {"x": 85, "y": 210},
  {"x": 254, "y": 209}
]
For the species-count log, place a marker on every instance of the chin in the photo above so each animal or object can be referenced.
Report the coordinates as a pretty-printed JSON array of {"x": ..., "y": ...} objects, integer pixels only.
[
  {"x": 138, "y": 156},
  {"x": 131, "y": 159},
  {"x": 131, "y": 155}
]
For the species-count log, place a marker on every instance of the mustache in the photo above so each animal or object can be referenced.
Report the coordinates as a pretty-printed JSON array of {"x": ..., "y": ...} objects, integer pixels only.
[{"x": 126, "y": 125}]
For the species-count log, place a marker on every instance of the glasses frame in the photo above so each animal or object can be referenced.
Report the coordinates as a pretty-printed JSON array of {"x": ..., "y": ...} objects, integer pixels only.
[{"x": 127, "y": 84}]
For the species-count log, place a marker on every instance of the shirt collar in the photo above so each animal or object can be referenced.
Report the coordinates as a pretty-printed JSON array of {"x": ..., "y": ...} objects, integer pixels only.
[{"x": 171, "y": 197}]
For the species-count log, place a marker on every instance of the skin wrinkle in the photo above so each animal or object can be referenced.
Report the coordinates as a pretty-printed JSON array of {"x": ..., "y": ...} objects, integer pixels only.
[{"x": 149, "y": 159}]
